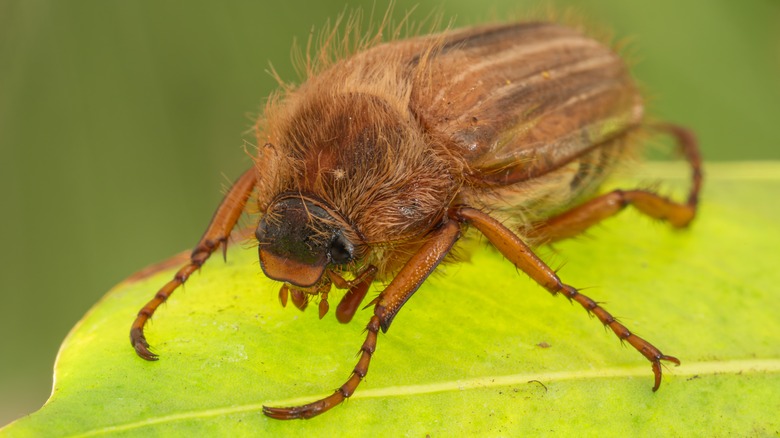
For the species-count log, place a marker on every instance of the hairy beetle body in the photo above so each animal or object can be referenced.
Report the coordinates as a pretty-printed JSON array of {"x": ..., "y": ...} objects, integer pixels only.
[{"x": 375, "y": 166}]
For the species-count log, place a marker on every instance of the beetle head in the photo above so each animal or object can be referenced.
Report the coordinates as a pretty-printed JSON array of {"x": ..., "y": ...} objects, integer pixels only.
[{"x": 299, "y": 237}]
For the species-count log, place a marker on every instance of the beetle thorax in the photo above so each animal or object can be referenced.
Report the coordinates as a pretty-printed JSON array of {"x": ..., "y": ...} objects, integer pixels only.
[{"x": 365, "y": 159}]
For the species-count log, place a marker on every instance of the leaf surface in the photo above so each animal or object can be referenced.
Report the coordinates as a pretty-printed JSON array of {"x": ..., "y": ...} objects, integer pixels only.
[{"x": 479, "y": 349}]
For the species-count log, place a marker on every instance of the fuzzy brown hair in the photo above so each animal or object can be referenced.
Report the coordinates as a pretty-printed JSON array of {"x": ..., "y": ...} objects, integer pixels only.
[{"x": 347, "y": 137}]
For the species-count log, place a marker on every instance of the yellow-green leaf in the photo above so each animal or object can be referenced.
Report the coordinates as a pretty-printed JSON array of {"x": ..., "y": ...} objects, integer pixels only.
[{"x": 479, "y": 349}]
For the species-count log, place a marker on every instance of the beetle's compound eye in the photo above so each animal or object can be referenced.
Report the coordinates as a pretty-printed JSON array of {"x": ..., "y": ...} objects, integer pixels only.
[{"x": 341, "y": 250}]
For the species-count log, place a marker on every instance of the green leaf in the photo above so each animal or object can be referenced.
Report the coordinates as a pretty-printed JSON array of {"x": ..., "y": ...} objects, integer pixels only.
[{"x": 465, "y": 354}]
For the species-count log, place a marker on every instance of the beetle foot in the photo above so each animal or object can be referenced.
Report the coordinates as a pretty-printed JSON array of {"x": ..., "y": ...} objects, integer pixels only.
[
  {"x": 657, "y": 368},
  {"x": 306, "y": 411},
  {"x": 138, "y": 340}
]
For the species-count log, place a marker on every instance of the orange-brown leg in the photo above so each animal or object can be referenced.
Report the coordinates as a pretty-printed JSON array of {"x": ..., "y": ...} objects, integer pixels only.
[
  {"x": 357, "y": 290},
  {"x": 573, "y": 222},
  {"x": 403, "y": 286},
  {"x": 514, "y": 249},
  {"x": 216, "y": 234}
]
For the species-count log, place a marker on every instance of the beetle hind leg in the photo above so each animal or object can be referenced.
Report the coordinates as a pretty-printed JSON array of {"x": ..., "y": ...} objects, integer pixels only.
[{"x": 578, "y": 219}]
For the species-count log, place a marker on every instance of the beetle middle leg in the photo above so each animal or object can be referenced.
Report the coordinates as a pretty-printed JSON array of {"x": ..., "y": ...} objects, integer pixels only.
[
  {"x": 578, "y": 219},
  {"x": 514, "y": 249},
  {"x": 390, "y": 301}
]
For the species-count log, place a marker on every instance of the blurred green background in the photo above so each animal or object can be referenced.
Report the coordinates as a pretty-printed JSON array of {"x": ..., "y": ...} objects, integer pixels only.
[{"x": 121, "y": 122}]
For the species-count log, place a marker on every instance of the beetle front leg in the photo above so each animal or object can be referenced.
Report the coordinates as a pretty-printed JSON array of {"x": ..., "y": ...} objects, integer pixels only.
[
  {"x": 403, "y": 286},
  {"x": 225, "y": 218},
  {"x": 347, "y": 389},
  {"x": 357, "y": 289},
  {"x": 513, "y": 248}
]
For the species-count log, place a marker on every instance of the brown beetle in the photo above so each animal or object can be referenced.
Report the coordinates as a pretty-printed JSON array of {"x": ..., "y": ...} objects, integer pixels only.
[{"x": 376, "y": 165}]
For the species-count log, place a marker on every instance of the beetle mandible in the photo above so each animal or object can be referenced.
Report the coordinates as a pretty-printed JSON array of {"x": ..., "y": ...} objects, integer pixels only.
[{"x": 376, "y": 164}]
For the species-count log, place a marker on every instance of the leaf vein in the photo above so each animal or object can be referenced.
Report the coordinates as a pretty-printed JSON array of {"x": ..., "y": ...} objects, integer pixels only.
[{"x": 697, "y": 368}]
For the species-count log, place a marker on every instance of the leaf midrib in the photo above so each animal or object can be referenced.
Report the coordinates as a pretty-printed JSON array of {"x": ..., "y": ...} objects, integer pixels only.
[{"x": 688, "y": 369}]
